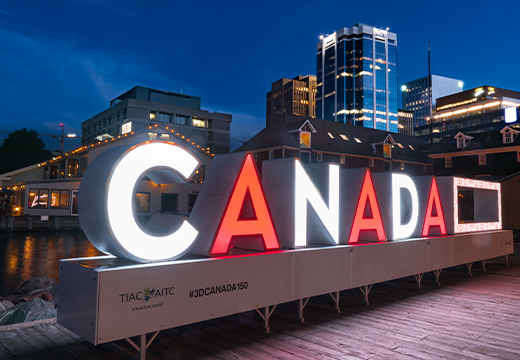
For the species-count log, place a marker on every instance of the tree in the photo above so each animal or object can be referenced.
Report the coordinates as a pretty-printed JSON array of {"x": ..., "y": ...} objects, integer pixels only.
[{"x": 24, "y": 141}]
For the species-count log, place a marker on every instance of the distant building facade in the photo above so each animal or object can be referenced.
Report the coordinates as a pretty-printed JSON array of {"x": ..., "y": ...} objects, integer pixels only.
[
  {"x": 405, "y": 122},
  {"x": 141, "y": 107},
  {"x": 318, "y": 140},
  {"x": 416, "y": 95},
  {"x": 295, "y": 96},
  {"x": 356, "y": 74},
  {"x": 481, "y": 109}
]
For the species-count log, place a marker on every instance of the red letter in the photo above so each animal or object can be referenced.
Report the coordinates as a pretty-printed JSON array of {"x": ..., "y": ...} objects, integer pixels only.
[
  {"x": 430, "y": 219},
  {"x": 367, "y": 197},
  {"x": 231, "y": 225}
]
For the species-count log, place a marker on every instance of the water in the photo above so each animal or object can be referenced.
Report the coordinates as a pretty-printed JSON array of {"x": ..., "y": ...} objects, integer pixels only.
[{"x": 26, "y": 255}]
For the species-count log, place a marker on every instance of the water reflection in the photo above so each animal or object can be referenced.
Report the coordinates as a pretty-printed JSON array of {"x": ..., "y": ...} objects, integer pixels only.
[{"x": 27, "y": 255}]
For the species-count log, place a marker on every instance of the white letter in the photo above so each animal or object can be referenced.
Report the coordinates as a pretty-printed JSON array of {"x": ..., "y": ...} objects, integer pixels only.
[{"x": 403, "y": 181}]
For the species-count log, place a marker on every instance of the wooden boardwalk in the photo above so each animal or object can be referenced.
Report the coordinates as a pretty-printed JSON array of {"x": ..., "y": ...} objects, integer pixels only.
[{"x": 466, "y": 317}]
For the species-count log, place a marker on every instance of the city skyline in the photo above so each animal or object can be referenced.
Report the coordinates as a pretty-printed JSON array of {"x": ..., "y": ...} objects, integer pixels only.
[{"x": 67, "y": 66}]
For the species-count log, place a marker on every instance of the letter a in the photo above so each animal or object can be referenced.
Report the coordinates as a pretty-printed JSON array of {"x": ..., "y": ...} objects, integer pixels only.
[
  {"x": 367, "y": 196},
  {"x": 429, "y": 219},
  {"x": 231, "y": 225}
]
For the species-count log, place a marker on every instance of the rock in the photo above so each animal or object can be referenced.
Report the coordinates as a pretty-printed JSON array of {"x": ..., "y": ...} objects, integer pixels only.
[
  {"x": 27, "y": 311},
  {"x": 42, "y": 294},
  {"x": 38, "y": 284},
  {"x": 6, "y": 304}
]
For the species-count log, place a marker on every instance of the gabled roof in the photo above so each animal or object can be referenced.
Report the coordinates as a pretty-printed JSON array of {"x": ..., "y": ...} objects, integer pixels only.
[
  {"x": 461, "y": 135},
  {"x": 279, "y": 134},
  {"x": 481, "y": 141},
  {"x": 307, "y": 126},
  {"x": 507, "y": 129}
]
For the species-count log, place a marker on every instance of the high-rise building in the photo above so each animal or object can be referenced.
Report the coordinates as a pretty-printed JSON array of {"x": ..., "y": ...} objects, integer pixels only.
[
  {"x": 291, "y": 96},
  {"x": 415, "y": 95},
  {"x": 356, "y": 71},
  {"x": 405, "y": 122}
]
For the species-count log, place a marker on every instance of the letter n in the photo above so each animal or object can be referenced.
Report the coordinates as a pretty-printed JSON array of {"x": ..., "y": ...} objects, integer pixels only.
[
  {"x": 434, "y": 205},
  {"x": 367, "y": 198},
  {"x": 232, "y": 225}
]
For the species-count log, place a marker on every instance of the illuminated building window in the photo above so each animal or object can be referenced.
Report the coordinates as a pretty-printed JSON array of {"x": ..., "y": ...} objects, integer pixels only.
[
  {"x": 152, "y": 136},
  {"x": 38, "y": 198},
  {"x": 402, "y": 165},
  {"x": 343, "y": 137},
  {"x": 330, "y": 135},
  {"x": 387, "y": 150},
  {"x": 411, "y": 147},
  {"x": 305, "y": 139},
  {"x": 164, "y": 137},
  {"x": 447, "y": 162},
  {"x": 142, "y": 202},
  {"x": 342, "y": 160},
  {"x": 152, "y": 116},
  {"x": 199, "y": 123},
  {"x": 357, "y": 140},
  {"x": 482, "y": 159},
  {"x": 60, "y": 199}
]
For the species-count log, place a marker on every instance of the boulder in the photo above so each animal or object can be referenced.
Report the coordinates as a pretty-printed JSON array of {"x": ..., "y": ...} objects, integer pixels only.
[
  {"x": 42, "y": 294},
  {"x": 40, "y": 283},
  {"x": 5, "y": 304},
  {"x": 36, "y": 309}
]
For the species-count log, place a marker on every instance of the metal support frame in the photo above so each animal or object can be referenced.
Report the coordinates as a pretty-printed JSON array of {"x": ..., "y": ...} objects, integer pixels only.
[
  {"x": 365, "y": 289},
  {"x": 266, "y": 315},
  {"x": 469, "y": 265},
  {"x": 335, "y": 297},
  {"x": 483, "y": 262},
  {"x": 506, "y": 259},
  {"x": 143, "y": 344},
  {"x": 418, "y": 278},
  {"x": 300, "y": 304},
  {"x": 437, "y": 273}
]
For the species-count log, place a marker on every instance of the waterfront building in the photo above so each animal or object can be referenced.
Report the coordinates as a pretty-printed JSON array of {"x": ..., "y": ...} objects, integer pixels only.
[
  {"x": 141, "y": 107},
  {"x": 416, "y": 95},
  {"x": 45, "y": 195},
  {"x": 318, "y": 140},
  {"x": 477, "y": 110},
  {"x": 356, "y": 75},
  {"x": 291, "y": 96},
  {"x": 405, "y": 122}
]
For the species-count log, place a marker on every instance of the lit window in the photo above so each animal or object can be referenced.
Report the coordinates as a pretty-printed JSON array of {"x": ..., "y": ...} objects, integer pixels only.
[
  {"x": 59, "y": 199},
  {"x": 402, "y": 165},
  {"x": 342, "y": 160},
  {"x": 401, "y": 146},
  {"x": 344, "y": 137},
  {"x": 357, "y": 140},
  {"x": 152, "y": 116},
  {"x": 330, "y": 135},
  {"x": 305, "y": 139},
  {"x": 142, "y": 202},
  {"x": 482, "y": 159},
  {"x": 447, "y": 162},
  {"x": 411, "y": 147},
  {"x": 152, "y": 136},
  {"x": 164, "y": 137},
  {"x": 38, "y": 198},
  {"x": 199, "y": 123}
]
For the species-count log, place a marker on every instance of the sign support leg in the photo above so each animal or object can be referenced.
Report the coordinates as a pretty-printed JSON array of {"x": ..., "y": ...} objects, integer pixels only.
[
  {"x": 300, "y": 306},
  {"x": 483, "y": 262},
  {"x": 143, "y": 344},
  {"x": 469, "y": 265},
  {"x": 418, "y": 278},
  {"x": 365, "y": 290},
  {"x": 506, "y": 259},
  {"x": 266, "y": 315},
  {"x": 335, "y": 297},
  {"x": 437, "y": 273}
]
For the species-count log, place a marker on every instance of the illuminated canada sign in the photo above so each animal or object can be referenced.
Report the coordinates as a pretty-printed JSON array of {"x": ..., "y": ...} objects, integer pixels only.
[{"x": 291, "y": 207}]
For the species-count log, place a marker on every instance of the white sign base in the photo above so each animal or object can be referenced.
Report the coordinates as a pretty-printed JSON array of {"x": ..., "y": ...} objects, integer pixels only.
[{"x": 105, "y": 299}]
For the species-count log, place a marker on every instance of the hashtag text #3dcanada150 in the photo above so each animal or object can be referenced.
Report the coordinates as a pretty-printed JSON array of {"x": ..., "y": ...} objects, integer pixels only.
[{"x": 218, "y": 289}]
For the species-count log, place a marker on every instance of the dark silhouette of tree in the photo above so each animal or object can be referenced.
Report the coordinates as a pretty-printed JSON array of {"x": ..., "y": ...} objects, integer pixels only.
[{"x": 24, "y": 141}]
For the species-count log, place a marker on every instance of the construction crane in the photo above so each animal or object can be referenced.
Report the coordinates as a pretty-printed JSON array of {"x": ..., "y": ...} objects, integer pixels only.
[{"x": 61, "y": 136}]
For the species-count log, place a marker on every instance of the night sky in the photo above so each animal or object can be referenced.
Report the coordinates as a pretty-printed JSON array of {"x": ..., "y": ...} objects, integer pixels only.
[{"x": 63, "y": 61}]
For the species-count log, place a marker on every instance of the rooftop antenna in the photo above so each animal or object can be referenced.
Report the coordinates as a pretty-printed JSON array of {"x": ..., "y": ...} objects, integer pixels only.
[{"x": 430, "y": 95}]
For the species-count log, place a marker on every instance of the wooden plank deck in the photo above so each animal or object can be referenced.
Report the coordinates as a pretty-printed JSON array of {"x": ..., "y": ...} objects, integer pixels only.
[{"x": 466, "y": 317}]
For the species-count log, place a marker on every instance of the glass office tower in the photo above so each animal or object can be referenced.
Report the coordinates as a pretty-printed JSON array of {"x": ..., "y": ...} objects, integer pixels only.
[{"x": 356, "y": 72}]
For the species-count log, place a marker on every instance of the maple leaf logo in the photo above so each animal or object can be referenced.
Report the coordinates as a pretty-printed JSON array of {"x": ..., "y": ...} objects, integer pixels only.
[{"x": 148, "y": 294}]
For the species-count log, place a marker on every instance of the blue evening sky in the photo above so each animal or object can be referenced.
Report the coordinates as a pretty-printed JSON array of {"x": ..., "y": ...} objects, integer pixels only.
[{"x": 63, "y": 61}]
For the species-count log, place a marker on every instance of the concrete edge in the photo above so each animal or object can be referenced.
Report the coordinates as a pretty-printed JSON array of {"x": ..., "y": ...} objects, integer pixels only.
[{"x": 25, "y": 324}]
